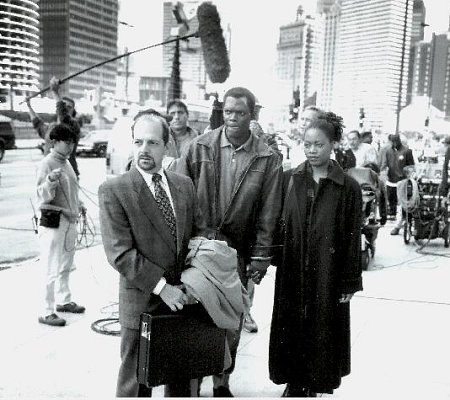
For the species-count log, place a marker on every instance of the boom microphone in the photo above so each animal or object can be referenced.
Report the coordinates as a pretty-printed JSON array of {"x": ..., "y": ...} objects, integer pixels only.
[{"x": 215, "y": 53}]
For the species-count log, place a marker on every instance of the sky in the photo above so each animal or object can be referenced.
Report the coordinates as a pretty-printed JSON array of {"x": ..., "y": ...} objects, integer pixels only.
[{"x": 255, "y": 32}]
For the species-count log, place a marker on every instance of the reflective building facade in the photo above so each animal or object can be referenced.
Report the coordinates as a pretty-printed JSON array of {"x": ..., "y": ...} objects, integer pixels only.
[{"x": 76, "y": 34}]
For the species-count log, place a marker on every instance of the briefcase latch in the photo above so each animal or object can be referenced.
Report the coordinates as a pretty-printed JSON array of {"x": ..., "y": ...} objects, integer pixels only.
[{"x": 145, "y": 332}]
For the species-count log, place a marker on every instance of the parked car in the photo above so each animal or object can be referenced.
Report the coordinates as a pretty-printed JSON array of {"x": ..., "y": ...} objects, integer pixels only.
[
  {"x": 41, "y": 144},
  {"x": 7, "y": 136},
  {"x": 94, "y": 143}
]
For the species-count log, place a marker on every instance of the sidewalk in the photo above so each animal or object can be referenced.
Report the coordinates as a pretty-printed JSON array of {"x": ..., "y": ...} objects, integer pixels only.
[{"x": 400, "y": 332}]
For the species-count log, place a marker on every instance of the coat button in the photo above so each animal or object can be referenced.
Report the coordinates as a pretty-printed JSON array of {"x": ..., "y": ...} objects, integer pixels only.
[{"x": 332, "y": 250}]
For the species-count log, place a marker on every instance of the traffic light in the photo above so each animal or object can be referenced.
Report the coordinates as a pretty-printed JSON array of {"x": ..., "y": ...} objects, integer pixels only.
[
  {"x": 361, "y": 117},
  {"x": 293, "y": 113},
  {"x": 427, "y": 121},
  {"x": 296, "y": 97}
]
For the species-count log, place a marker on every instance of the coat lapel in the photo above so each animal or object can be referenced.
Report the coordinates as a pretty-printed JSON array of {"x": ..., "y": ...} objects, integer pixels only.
[
  {"x": 148, "y": 205},
  {"x": 179, "y": 203}
]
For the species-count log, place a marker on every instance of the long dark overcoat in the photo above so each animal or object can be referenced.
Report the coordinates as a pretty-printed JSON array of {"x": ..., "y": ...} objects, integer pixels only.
[{"x": 310, "y": 332}]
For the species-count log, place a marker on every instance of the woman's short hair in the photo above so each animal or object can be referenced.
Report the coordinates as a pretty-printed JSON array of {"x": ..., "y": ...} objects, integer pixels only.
[
  {"x": 62, "y": 132},
  {"x": 152, "y": 114},
  {"x": 331, "y": 124},
  {"x": 237, "y": 92}
]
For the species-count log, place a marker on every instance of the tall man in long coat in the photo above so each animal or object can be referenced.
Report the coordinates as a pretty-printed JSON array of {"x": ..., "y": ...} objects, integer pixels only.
[
  {"x": 237, "y": 178},
  {"x": 147, "y": 217}
]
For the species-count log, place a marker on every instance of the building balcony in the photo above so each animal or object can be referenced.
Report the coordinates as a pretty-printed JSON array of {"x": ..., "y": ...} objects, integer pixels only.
[
  {"x": 9, "y": 32},
  {"x": 11, "y": 7},
  {"x": 19, "y": 50}
]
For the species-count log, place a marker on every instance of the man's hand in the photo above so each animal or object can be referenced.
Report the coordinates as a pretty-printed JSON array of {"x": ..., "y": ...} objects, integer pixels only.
[
  {"x": 345, "y": 298},
  {"x": 55, "y": 175},
  {"x": 54, "y": 84},
  {"x": 257, "y": 269},
  {"x": 174, "y": 297},
  {"x": 82, "y": 209}
]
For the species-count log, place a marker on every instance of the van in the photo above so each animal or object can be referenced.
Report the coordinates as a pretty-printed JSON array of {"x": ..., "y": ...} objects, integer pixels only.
[
  {"x": 7, "y": 136},
  {"x": 119, "y": 153}
]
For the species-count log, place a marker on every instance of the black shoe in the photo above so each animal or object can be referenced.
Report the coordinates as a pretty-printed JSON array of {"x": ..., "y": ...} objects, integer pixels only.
[
  {"x": 250, "y": 324},
  {"x": 70, "y": 307},
  {"x": 395, "y": 231},
  {"x": 222, "y": 391},
  {"x": 52, "y": 320},
  {"x": 296, "y": 391}
]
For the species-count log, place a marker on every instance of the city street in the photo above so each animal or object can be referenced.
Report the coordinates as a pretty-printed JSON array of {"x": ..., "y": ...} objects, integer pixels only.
[
  {"x": 400, "y": 331},
  {"x": 18, "y": 169}
]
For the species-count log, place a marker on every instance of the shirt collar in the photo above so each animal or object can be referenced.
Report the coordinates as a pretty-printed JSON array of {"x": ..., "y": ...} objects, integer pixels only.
[
  {"x": 148, "y": 178},
  {"x": 224, "y": 142}
]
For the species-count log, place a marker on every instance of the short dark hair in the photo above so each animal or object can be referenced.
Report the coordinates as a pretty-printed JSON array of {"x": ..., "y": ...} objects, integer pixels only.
[
  {"x": 155, "y": 115},
  {"x": 237, "y": 92},
  {"x": 62, "y": 132},
  {"x": 330, "y": 123},
  {"x": 70, "y": 100},
  {"x": 366, "y": 134},
  {"x": 178, "y": 103}
]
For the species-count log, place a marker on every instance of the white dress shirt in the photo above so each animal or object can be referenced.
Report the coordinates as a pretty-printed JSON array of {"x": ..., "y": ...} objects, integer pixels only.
[{"x": 148, "y": 178}]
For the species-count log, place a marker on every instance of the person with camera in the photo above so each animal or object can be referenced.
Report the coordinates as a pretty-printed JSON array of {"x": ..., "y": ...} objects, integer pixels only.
[{"x": 57, "y": 195}]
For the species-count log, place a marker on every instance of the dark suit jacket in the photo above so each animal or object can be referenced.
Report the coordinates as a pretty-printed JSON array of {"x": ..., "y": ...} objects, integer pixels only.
[{"x": 137, "y": 240}]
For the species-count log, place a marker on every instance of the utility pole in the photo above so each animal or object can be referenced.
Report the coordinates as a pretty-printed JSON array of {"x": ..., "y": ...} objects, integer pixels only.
[{"x": 402, "y": 63}]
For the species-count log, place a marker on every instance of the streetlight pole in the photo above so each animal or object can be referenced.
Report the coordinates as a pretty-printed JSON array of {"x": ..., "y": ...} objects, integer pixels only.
[
  {"x": 402, "y": 63},
  {"x": 295, "y": 70}
]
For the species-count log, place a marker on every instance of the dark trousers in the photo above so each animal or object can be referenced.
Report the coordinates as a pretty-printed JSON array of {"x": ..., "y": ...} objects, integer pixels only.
[
  {"x": 392, "y": 200},
  {"x": 127, "y": 384},
  {"x": 233, "y": 336}
]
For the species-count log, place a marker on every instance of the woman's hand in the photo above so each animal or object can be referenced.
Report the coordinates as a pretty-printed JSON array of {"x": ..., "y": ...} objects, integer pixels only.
[{"x": 345, "y": 298}]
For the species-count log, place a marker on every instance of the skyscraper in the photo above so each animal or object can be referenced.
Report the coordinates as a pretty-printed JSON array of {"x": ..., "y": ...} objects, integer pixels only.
[
  {"x": 19, "y": 48},
  {"x": 327, "y": 25},
  {"x": 372, "y": 61},
  {"x": 417, "y": 34},
  {"x": 74, "y": 36}
]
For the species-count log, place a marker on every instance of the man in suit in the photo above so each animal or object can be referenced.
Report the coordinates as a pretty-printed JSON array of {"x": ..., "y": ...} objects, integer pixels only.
[{"x": 147, "y": 217}]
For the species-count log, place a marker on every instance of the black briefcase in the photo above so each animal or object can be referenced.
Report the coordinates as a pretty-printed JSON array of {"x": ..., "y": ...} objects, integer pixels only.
[{"x": 176, "y": 346}]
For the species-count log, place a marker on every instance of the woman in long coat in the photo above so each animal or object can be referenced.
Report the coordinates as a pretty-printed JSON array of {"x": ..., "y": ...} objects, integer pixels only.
[{"x": 318, "y": 271}]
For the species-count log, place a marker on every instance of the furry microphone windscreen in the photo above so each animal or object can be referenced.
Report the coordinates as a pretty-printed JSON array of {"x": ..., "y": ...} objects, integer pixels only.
[{"x": 215, "y": 53}]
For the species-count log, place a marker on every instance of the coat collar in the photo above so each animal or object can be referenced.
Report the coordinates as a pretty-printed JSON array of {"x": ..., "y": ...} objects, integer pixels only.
[
  {"x": 336, "y": 173},
  {"x": 257, "y": 146}
]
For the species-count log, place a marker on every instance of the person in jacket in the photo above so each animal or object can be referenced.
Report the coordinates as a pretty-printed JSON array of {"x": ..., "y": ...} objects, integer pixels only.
[
  {"x": 362, "y": 152},
  {"x": 318, "y": 269},
  {"x": 237, "y": 178},
  {"x": 147, "y": 217},
  {"x": 57, "y": 196},
  {"x": 443, "y": 189},
  {"x": 181, "y": 134},
  {"x": 65, "y": 114},
  {"x": 396, "y": 158}
]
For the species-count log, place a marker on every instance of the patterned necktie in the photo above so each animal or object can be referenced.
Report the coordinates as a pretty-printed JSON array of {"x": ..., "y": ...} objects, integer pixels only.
[{"x": 164, "y": 205}]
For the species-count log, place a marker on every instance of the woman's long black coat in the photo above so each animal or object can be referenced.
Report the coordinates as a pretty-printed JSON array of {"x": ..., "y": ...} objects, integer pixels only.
[{"x": 310, "y": 332}]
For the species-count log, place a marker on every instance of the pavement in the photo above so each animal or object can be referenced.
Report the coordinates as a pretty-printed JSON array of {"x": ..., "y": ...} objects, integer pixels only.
[{"x": 400, "y": 332}]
